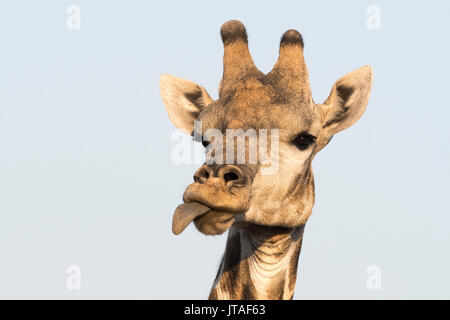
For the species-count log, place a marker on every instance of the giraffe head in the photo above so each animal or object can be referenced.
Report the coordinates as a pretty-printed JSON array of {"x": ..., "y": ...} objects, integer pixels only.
[{"x": 278, "y": 107}]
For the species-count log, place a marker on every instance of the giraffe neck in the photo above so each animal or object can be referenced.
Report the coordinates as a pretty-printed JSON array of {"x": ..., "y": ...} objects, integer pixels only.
[{"x": 259, "y": 263}]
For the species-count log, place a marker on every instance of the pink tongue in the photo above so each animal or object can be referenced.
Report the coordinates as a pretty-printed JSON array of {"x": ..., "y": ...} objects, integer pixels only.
[{"x": 185, "y": 213}]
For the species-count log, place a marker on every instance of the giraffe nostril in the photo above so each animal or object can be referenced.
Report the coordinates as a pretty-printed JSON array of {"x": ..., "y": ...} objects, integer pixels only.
[
  {"x": 201, "y": 175},
  {"x": 230, "y": 176}
]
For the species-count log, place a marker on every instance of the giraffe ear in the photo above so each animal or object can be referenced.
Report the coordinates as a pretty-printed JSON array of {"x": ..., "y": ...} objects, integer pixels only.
[
  {"x": 184, "y": 100},
  {"x": 346, "y": 103}
]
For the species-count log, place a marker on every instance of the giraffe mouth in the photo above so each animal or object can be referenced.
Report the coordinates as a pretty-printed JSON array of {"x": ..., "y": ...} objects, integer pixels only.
[
  {"x": 212, "y": 208},
  {"x": 208, "y": 220}
]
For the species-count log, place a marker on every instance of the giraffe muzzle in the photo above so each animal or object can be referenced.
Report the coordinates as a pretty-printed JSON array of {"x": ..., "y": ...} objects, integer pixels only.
[{"x": 217, "y": 196}]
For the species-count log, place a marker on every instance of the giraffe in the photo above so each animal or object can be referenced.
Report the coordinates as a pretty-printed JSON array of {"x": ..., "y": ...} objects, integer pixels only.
[{"x": 264, "y": 214}]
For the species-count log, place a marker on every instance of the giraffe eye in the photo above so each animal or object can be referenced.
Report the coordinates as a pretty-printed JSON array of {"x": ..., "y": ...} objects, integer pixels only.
[{"x": 303, "y": 141}]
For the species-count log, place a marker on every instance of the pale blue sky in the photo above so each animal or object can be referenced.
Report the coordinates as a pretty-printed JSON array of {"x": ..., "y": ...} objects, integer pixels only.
[{"x": 85, "y": 171}]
